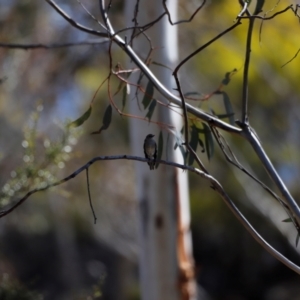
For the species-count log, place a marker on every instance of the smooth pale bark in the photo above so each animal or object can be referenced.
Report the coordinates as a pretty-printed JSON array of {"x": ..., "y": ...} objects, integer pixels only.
[{"x": 166, "y": 264}]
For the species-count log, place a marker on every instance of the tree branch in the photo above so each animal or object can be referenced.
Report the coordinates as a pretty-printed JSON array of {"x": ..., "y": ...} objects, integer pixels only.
[
  {"x": 214, "y": 183},
  {"x": 246, "y": 73},
  {"x": 50, "y": 46}
]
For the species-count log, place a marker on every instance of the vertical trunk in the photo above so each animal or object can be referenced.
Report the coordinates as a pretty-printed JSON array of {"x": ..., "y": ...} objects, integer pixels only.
[{"x": 166, "y": 266}]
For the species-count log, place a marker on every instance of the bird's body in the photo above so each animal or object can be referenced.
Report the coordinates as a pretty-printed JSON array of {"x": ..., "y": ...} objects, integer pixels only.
[{"x": 150, "y": 150}]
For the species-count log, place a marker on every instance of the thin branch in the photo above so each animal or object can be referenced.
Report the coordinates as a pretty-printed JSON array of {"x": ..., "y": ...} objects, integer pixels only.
[
  {"x": 50, "y": 46},
  {"x": 262, "y": 21},
  {"x": 244, "y": 10},
  {"x": 291, "y": 58},
  {"x": 182, "y": 21},
  {"x": 246, "y": 73},
  {"x": 206, "y": 45},
  {"x": 231, "y": 158},
  {"x": 256, "y": 145},
  {"x": 89, "y": 195},
  {"x": 186, "y": 123},
  {"x": 75, "y": 24},
  {"x": 271, "y": 17},
  {"x": 81, "y": 169},
  {"x": 90, "y": 14},
  {"x": 252, "y": 231}
]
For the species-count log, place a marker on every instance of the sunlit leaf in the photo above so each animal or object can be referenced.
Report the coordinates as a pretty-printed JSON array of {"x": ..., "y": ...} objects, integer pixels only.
[
  {"x": 151, "y": 109},
  {"x": 197, "y": 126},
  {"x": 148, "y": 94},
  {"x": 81, "y": 119},
  {"x": 106, "y": 120},
  {"x": 209, "y": 142},
  {"x": 160, "y": 148}
]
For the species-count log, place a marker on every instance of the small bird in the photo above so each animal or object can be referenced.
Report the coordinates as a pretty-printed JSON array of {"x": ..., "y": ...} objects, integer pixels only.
[{"x": 150, "y": 149}]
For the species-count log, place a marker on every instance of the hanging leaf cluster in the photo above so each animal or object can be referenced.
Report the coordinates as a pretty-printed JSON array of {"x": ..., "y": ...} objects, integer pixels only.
[{"x": 202, "y": 136}]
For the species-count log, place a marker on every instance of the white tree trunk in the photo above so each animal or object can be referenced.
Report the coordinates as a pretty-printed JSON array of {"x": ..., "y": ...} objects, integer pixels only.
[{"x": 166, "y": 264}]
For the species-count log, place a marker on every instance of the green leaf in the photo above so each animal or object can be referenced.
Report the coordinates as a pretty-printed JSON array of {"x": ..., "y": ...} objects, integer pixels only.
[
  {"x": 224, "y": 116},
  {"x": 81, "y": 119},
  {"x": 160, "y": 148},
  {"x": 193, "y": 143},
  {"x": 228, "y": 108},
  {"x": 287, "y": 220},
  {"x": 106, "y": 120},
  {"x": 209, "y": 142},
  {"x": 201, "y": 145},
  {"x": 259, "y": 6},
  {"x": 151, "y": 109},
  {"x": 107, "y": 117},
  {"x": 148, "y": 94}
]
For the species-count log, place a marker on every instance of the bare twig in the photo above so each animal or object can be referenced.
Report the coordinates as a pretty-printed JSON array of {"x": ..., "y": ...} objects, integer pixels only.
[
  {"x": 73, "y": 23},
  {"x": 271, "y": 17},
  {"x": 90, "y": 14},
  {"x": 231, "y": 158},
  {"x": 246, "y": 73},
  {"x": 262, "y": 21},
  {"x": 291, "y": 58},
  {"x": 89, "y": 195},
  {"x": 164, "y": 2},
  {"x": 50, "y": 46},
  {"x": 256, "y": 145},
  {"x": 206, "y": 45},
  {"x": 186, "y": 123}
]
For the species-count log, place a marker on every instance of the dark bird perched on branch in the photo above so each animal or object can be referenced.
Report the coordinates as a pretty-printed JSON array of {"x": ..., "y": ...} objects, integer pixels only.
[{"x": 150, "y": 149}]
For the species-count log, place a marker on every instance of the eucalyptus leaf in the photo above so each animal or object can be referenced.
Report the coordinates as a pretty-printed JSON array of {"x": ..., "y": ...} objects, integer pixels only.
[
  {"x": 148, "y": 94},
  {"x": 106, "y": 120},
  {"x": 151, "y": 109},
  {"x": 209, "y": 142},
  {"x": 81, "y": 119},
  {"x": 228, "y": 108}
]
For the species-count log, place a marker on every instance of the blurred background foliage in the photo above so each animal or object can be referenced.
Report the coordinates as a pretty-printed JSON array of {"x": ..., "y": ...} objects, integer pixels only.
[{"x": 50, "y": 248}]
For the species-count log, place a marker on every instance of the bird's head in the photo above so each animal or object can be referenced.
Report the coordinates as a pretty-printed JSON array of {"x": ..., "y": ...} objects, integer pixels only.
[{"x": 150, "y": 136}]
